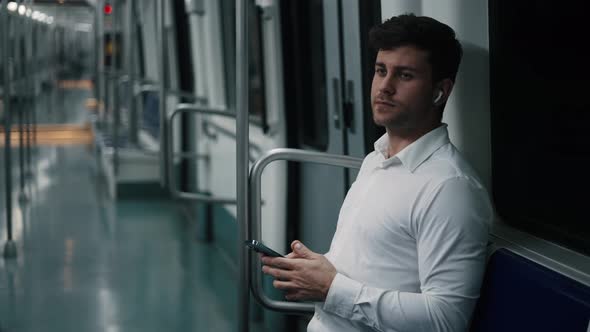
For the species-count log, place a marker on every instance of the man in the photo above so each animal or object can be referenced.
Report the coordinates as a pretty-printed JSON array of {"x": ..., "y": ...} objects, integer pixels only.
[{"x": 410, "y": 247}]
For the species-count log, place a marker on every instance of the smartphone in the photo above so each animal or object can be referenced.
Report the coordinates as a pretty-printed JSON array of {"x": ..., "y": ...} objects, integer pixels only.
[{"x": 261, "y": 248}]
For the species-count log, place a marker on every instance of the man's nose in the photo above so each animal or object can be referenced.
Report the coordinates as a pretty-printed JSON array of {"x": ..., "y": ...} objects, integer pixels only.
[{"x": 387, "y": 85}]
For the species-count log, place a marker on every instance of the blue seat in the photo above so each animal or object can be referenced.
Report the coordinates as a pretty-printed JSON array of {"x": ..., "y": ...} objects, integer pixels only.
[
  {"x": 520, "y": 295},
  {"x": 151, "y": 114}
]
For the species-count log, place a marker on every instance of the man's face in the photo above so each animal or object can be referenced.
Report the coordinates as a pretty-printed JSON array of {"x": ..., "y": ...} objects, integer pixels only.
[{"x": 402, "y": 90}]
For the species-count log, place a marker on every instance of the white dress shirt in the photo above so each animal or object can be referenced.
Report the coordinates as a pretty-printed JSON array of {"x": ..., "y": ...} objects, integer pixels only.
[{"x": 410, "y": 245}]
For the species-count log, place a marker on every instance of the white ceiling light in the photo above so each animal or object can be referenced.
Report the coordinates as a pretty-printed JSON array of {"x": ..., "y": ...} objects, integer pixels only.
[
  {"x": 35, "y": 15},
  {"x": 22, "y": 9},
  {"x": 49, "y": 20},
  {"x": 12, "y": 6},
  {"x": 29, "y": 12}
]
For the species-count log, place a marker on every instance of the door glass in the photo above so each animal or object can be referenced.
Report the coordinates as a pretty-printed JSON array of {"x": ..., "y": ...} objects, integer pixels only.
[
  {"x": 305, "y": 83},
  {"x": 256, "y": 64}
]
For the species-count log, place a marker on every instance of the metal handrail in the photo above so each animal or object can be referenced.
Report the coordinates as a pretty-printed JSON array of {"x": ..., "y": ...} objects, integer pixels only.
[
  {"x": 112, "y": 73},
  {"x": 186, "y": 94},
  {"x": 9, "y": 246},
  {"x": 154, "y": 87},
  {"x": 146, "y": 88},
  {"x": 98, "y": 50},
  {"x": 192, "y": 108},
  {"x": 242, "y": 162},
  {"x": 116, "y": 73},
  {"x": 30, "y": 125},
  {"x": 162, "y": 69},
  {"x": 255, "y": 220}
]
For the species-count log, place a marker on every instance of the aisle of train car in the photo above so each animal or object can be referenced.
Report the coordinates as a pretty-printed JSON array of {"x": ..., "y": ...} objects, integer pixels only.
[{"x": 88, "y": 262}]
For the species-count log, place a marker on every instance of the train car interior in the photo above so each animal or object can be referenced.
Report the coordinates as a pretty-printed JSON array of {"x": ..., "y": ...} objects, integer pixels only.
[{"x": 144, "y": 141}]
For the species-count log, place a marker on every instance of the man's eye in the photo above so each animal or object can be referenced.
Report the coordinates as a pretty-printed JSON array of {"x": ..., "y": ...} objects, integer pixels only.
[
  {"x": 380, "y": 71},
  {"x": 406, "y": 76}
]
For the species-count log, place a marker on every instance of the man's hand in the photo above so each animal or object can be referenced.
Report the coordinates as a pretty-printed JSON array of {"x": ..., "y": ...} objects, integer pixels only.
[{"x": 303, "y": 274}]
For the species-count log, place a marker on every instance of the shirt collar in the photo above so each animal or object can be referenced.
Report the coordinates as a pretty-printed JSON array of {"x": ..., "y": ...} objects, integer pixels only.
[{"x": 417, "y": 152}]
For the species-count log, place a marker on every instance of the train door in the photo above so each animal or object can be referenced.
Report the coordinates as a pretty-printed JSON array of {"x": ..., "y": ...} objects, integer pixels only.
[{"x": 329, "y": 105}]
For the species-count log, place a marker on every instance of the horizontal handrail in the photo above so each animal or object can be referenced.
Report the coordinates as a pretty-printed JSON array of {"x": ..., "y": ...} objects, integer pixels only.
[
  {"x": 253, "y": 149},
  {"x": 124, "y": 79},
  {"x": 141, "y": 79},
  {"x": 192, "y": 108},
  {"x": 190, "y": 155},
  {"x": 151, "y": 87},
  {"x": 255, "y": 208},
  {"x": 146, "y": 88},
  {"x": 112, "y": 73},
  {"x": 186, "y": 94},
  {"x": 195, "y": 108}
]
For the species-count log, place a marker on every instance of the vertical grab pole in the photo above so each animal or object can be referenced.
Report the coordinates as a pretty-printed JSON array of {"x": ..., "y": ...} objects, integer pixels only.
[
  {"x": 112, "y": 75},
  {"x": 116, "y": 66},
  {"x": 27, "y": 103},
  {"x": 96, "y": 31},
  {"x": 47, "y": 65},
  {"x": 100, "y": 86},
  {"x": 36, "y": 29},
  {"x": 131, "y": 69},
  {"x": 21, "y": 152},
  {"x": 9, "y": 247},
  {"x": 164, "y": 180},
  {"x": 242, "y": 147},
  {"x": 21, "y": 112}
]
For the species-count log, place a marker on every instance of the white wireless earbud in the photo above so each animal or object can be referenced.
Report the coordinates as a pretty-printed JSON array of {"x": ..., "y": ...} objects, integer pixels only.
[{"x": 438, "y": 97}]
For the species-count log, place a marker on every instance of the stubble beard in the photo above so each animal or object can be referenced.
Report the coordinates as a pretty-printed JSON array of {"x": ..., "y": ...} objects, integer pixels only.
[{"x": 392, "y": 119}]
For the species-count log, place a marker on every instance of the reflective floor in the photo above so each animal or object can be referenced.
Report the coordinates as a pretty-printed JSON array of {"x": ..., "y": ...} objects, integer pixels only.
[{"x": 89, "y": 263}]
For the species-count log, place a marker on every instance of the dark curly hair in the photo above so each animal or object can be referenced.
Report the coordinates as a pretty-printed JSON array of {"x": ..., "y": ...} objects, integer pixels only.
[{"x": 425, "y": 33}]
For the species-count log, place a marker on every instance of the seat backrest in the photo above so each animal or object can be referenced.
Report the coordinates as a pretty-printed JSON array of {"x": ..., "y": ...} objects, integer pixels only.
[
  {"x": 520, "y": 295},
  {"x": 151, "y": 114}
]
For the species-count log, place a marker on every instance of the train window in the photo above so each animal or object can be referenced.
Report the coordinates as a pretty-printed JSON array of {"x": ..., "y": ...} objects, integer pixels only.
[
  {"x": 305, "y": 86},
  {"x": 257, "y": 100},
  {"x": 256, "y": 66},
  {"x": 112, "y": 43},
  {"x": 140, "y": 64},
  {"x": 541, "y": 118},
  {"x": 184, "y": 65}
]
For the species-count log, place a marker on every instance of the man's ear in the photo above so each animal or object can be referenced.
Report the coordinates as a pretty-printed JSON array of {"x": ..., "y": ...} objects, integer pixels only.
[{"x": 444, "y": 88}]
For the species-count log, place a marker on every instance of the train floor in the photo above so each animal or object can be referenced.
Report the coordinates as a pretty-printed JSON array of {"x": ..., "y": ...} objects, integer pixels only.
[{"x": 87, "y": 262}]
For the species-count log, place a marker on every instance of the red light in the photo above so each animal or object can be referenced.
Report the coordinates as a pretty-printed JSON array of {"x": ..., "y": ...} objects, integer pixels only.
[{"x": 108, "y": 9}]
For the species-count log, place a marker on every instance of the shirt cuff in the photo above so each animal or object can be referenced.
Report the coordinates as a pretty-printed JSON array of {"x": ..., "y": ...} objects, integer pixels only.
[{"x": 342, "y": 296}]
